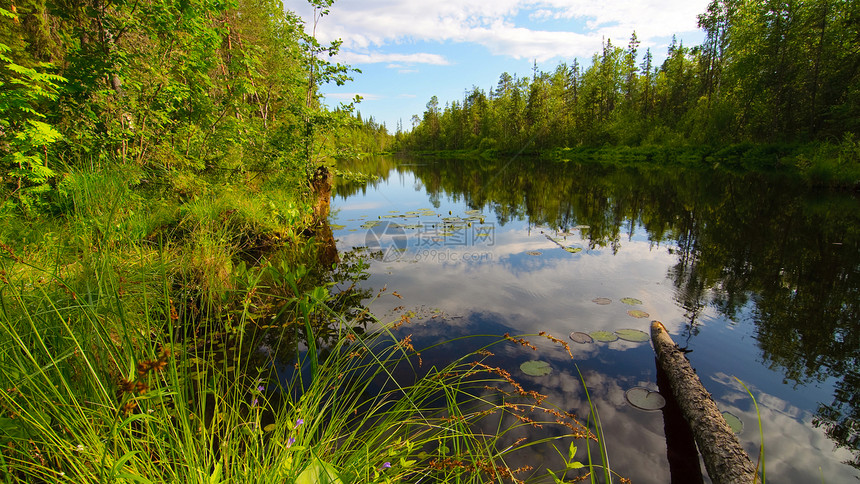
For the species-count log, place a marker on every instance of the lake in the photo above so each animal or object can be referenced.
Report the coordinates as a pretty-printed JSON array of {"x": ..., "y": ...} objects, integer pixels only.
[{"x": 756, "y": 275}]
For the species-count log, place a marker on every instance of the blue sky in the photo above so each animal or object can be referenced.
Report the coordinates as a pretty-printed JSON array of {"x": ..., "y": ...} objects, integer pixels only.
[{"x": 410, "y": 50}]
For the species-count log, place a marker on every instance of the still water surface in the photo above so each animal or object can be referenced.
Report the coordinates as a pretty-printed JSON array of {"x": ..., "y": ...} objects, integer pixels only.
[{"x": 758, "y": 275}]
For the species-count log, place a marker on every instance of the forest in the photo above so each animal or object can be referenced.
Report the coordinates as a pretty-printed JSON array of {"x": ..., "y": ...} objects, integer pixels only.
[
  {"x": 169, "y": 87},
  {"x": 776, "y": 71}
]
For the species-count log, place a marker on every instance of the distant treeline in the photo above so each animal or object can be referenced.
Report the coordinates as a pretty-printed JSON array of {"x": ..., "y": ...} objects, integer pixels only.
[{"x": 768, "y": 72}]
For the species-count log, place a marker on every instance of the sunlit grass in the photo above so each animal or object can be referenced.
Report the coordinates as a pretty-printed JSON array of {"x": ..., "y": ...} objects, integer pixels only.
[{"x": 89, "y": 396}]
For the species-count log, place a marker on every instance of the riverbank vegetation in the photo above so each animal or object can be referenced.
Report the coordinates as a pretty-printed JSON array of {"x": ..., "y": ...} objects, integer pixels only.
[
  {"x": 773, "y": 83},
  {"x": 170, "y": 308}
]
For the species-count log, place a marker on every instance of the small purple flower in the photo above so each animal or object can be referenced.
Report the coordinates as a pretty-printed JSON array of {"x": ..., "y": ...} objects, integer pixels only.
[
  {"x": 290, "y": 442},
  {"x": 386, "y": 465},
  {"x": 299, "y": 422},
  {"x": 261, "y": 388},
  {"x": 255, "y": 402}
]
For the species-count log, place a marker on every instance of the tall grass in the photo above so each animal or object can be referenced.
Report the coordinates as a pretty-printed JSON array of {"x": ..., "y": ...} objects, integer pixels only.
[
  {"x": 760, "y": 461},
  {"x": 91, "y": 395}
]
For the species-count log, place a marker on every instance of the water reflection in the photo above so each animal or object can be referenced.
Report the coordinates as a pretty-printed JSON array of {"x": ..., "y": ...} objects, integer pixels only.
[{"x": 758, "y": 275}]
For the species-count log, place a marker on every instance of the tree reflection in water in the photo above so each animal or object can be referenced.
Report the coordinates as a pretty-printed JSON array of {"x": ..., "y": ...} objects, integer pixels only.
[{"x": 758, "y": 244}]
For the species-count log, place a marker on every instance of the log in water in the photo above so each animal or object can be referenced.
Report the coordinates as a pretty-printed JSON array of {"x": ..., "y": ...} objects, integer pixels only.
[{"x": 725, "y": 459}]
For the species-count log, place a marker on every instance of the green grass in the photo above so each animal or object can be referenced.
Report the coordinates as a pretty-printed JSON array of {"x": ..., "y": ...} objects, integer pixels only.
[
  {"x": 91, "y": 396},
  {"x": 760, "y": 461}
]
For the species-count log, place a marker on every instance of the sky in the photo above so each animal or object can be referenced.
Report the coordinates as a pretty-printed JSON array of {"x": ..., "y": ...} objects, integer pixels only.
[{"x": 411, "y": 50}]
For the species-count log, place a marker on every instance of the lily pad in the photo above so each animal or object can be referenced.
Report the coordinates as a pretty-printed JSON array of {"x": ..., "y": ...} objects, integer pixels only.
[
  {"x": 633, "y": 335},
  {"x": 573, "y": 250},
  {"x": 734, "y": 422},
  {"x": 536, "y": 368},
  {"x": 603, "y": 301},
  {"x": 581, "y": 338},
  {"x": 637, "y": 313},
  {"x": 630, "y": 300},
  {"x": 604, "y": 336},
  {"x": 534, "y": 252},
  {"x": 644, "y": 399}
]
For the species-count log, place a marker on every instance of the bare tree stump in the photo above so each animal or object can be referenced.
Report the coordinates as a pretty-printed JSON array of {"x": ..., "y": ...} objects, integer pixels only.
[
  {"x": 321, "y": 184},
  {"x": 725, "y": 459}
]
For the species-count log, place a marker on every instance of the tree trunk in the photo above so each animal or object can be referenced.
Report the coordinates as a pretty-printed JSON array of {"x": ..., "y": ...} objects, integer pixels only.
[{"x": 725, "y": 459}]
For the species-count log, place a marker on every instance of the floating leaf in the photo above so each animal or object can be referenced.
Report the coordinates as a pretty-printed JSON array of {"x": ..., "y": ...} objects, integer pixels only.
[
  {"x": 601, "y": 300},
  {"x": 337, "y": 227},
  {"x": 645, "y": 399},
  {"x": 637, "y": 313},
  {"x": 604, "y": 336},
  {"x": 573, "y": 250},
  {"x": 633, "y": 335},
  {"x": 734, "y": 422},
  {"x": 630, "y": 300},
  {"x": 536, "y": 368},
  {"x": 534, "y": 252},
  {"x": 581, "y": 338}
]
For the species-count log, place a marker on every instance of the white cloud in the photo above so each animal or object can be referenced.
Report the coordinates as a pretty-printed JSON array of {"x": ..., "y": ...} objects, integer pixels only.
[
  {"x": 378, "y": 57},
  {"x": 498, "y": 25}
]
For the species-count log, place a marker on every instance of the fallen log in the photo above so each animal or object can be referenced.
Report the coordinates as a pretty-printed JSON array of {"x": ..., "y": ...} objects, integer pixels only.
[
  {"x": 681, "y": 450},
  {"x": 725, "y": 459}
]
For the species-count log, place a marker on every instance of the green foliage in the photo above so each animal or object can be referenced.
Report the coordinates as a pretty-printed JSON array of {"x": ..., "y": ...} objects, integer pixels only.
[
  {"x": 320, "y": 124},
  {"x": 25, "y": 93},
  {"x": 182, "y": 88}
]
